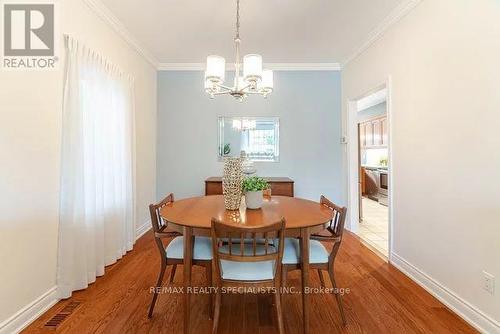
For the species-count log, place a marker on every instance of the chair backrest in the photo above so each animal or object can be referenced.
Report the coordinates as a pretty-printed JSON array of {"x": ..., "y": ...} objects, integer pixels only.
[
  {"x": 336, "y": 227},
  {"x": 159, "y": 225},
  {"x": 233, "y": 243}
]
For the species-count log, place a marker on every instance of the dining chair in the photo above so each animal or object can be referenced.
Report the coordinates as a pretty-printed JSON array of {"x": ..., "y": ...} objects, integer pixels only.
[
  {"x": 172, "y": 253},
  {"x": 247, "y": 264},
  {"x": 319, "y": 257}
]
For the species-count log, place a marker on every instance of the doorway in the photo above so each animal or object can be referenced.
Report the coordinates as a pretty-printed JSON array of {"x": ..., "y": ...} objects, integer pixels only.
[{"x": 369, "y": 166}]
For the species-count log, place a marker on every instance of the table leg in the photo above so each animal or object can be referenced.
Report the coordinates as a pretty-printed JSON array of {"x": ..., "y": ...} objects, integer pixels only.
[
  {"x": 188, "y": 259},
  {"x": 304, "y": 263}
]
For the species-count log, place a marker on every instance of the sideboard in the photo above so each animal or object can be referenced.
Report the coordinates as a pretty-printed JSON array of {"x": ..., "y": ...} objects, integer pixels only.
[{"x": 280, "y": 186}]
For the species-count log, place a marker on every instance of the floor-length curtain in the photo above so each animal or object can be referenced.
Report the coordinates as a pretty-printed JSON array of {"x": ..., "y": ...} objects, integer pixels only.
[{"x": 96, "y": 226}]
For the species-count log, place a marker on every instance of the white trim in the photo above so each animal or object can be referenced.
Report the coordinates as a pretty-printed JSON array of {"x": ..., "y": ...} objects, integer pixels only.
[
  {"x": 271, "y": 66},
  {"x": 351, "y": 132},
  {"x": 372, "y": 100},
  {"x": 470, "y": 313},
  {"x": 109, "y": 18},
  {"x": 25, "y": 316},
  {"x": 394, "y": 16},
  {"x": 141, "y": 230}
]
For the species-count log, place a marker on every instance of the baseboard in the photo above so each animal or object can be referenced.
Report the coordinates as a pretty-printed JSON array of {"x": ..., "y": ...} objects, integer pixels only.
[
  {"x": 477, "y": 319},
  {"x": 35, "y": 309},
  {"x": 29, "y": 313},
  {"x": 141, "y": 230}
]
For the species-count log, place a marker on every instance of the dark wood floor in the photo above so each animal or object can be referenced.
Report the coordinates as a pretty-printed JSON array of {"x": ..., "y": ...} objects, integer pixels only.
[{"x": 381, "y": 300}]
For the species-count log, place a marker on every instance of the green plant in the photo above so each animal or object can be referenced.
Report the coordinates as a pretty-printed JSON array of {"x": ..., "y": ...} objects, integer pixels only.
[
  {"x": 227, "y": 149},
  {"x": 255, "y": 183}
]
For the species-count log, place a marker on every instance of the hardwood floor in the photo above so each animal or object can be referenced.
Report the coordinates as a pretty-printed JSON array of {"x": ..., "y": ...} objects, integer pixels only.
[{"x": 381, "y": 300}]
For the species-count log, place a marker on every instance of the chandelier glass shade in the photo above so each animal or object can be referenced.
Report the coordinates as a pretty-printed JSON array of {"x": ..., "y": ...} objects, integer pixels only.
[{"x": 253, "y": 80}]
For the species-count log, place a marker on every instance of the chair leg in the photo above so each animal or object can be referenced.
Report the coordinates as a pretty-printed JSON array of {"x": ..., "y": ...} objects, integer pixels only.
[
  {"x": 218, "y": 297},
  {"x": 279, "y": 312},
  {"x": 321, "y": 278},
  {"x": 283, "y": 280},
  {"x": 172, "y": 273},
  {"x": 337, "y": 296},
  {"x": 158, "y": 284},
  {"x": 211, "y": 296}
]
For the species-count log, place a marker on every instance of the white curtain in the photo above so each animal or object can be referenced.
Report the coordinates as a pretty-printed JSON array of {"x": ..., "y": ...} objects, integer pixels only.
[{"x": 96, "y": 226}]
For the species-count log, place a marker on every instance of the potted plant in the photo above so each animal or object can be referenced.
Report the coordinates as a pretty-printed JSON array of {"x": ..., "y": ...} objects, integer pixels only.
[{"x": 253, "y": 188}]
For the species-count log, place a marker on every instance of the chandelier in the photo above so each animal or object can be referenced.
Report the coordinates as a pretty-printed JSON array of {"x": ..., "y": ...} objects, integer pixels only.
[{"x": 254, "y": 81}]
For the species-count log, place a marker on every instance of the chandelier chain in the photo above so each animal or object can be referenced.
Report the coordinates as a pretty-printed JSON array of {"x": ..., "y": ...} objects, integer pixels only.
[{"x": 238, "y": 19}]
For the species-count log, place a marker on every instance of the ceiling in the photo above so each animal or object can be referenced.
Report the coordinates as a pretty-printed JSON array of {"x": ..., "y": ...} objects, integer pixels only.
[{"x": 282, "y": 31}]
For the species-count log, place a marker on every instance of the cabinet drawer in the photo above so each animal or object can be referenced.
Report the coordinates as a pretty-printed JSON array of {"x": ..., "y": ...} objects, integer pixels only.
[
  {"x": 282, "y": 189},
  {"x": 213, "y": 188}
]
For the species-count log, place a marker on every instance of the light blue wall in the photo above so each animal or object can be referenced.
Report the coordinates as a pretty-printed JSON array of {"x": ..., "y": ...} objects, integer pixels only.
[
  {"x": 372, "y": 112},
  {"x": 307, "y": 103}
]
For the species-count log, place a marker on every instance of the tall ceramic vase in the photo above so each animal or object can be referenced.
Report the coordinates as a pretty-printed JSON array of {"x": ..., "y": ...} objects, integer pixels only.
[{"x": 232, "y": 182}]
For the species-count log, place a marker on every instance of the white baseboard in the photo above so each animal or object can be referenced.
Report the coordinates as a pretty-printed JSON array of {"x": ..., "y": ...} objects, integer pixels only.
[
  {"x": 141, "y": 230},
  {"x": 29, "y": 313},
  {"x": 36, "y": 308},
  {"x": 477, "y": 319}
]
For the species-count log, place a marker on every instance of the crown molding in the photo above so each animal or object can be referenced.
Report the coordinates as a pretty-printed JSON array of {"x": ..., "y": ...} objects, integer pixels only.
[
  {"x": 111, "y": 20},
  {"x": 395, "y": 16},
  {"x": 271, "y": 66}
]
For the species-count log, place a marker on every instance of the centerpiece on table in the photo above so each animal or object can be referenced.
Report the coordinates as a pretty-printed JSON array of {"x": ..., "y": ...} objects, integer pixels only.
[
  {"x": 254, "y": 187},
  {"x": 232, "y": 182}
]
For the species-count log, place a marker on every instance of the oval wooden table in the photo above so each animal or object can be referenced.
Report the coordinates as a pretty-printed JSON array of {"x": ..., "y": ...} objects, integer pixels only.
[{"x": 192, "y": 217}]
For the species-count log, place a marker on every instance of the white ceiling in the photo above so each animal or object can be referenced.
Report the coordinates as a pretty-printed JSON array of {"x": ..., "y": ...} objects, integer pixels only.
[{"x": 282, "y": 31}]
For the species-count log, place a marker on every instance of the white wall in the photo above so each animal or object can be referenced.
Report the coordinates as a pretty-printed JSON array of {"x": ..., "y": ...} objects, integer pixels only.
[
  {"x": 307, "y": 103},
  {"x": 30, "y": 140},
  {"x": 443, "y": 59}
]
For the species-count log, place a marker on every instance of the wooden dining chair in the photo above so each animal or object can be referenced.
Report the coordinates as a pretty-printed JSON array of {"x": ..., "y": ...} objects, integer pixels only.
[
  {"x": 319, "y": 257},
  {"x": 172, "y": 253},
  {"x": 242, "y": 264}
]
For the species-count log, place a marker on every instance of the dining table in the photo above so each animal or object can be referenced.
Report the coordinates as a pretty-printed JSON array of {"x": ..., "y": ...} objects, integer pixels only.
[{"x": 192, "y": 217}]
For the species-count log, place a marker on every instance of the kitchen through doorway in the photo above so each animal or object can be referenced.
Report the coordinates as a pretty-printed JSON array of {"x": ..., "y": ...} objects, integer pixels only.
[{"x": 373, "y": 160}]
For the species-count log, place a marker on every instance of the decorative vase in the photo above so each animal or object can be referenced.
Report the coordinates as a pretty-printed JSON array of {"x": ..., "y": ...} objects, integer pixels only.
[
  {"x": 232, "y": 181},
  {"x": 254, "y": 199}
]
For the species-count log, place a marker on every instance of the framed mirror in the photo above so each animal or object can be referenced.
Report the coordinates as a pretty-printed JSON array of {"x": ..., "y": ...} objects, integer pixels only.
[{"x": 257, "y": 136}]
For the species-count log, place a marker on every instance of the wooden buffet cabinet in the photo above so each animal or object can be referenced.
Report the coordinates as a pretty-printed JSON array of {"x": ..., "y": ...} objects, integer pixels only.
[{"x": 280, "y": 186}]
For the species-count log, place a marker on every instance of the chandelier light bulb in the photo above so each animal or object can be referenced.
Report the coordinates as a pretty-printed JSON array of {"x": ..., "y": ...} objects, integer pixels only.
[
  {"x": 216, "y": 69},
  {"x": 252, "y": 68},
  {"x": 267, "y": 83}
]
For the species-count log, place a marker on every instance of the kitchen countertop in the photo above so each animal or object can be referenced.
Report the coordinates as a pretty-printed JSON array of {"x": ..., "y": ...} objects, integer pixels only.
[{"x": 374, "y": 167}]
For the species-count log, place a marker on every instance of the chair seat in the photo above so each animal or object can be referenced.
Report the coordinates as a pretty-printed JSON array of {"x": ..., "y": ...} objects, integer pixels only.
[
  {"x": 291, "y": 252},
  {"x": 247, "y": 271},
  {"x": 202, "y": 248}
]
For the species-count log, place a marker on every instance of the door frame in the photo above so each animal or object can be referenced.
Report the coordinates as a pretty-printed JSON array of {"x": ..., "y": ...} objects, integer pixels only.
[{"x": 353, "y": 161}]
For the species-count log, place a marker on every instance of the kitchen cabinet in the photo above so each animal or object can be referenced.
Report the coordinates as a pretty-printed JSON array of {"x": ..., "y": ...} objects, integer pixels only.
[
  {"x": 377, "y": 132},
  {"x": 385, "y": 137},
  {"x": 368, "y": 134},
  {"x": 373, "y": 133},
  {"x": 362, "y": 137},
  {"x": 362, "y": 180}
]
